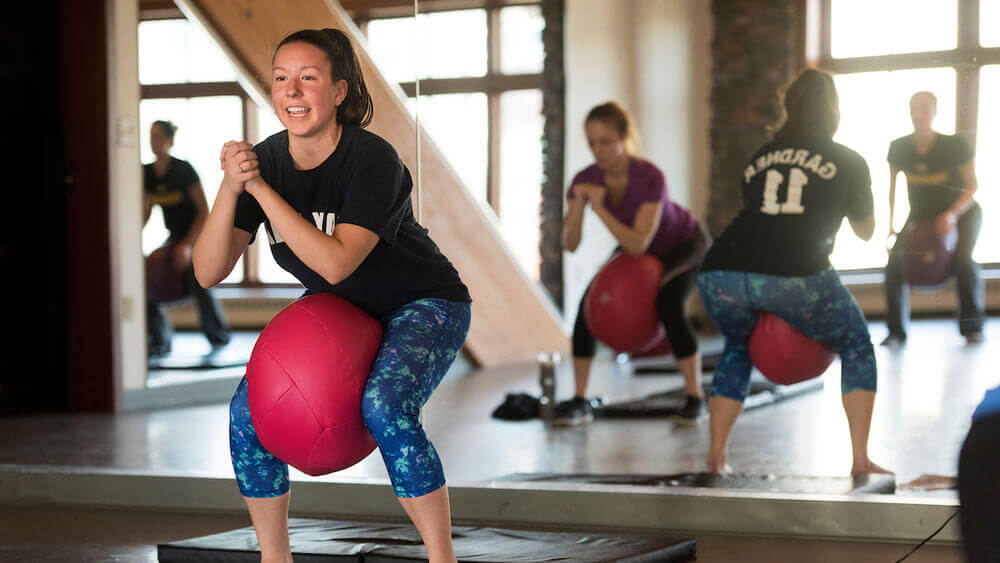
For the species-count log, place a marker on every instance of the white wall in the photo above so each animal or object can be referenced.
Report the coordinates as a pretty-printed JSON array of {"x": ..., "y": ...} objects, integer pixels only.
[
  {"x": 599, "y": 67},
  {"x": 127, "y": 270},
  {"x": 652, "y": 56}
]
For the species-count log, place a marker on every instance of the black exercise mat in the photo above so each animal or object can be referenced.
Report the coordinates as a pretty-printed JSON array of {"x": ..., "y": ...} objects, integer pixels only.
[
  {"x": 336, "y": 541},
  {"x": 868, "y": 484},
  {"x": 667, "y": 403},
  {"x": 710, "y": 350}
]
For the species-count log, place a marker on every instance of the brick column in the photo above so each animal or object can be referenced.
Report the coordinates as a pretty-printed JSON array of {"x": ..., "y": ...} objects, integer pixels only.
[{"x": 756, "y": 49}]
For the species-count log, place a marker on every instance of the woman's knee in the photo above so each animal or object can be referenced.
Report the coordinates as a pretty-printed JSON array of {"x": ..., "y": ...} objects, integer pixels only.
[
  {"x": 858, "y": 367},
  {"x": 387, "y": 416},
  {"x": 239, "y": 405}
]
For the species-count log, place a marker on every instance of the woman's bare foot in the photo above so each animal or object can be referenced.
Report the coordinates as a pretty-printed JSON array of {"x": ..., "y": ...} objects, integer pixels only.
[
  {"x": 717, "y": 464},
  {"x": 867, "y": 466},
  {"x": 931, "y": 483}
]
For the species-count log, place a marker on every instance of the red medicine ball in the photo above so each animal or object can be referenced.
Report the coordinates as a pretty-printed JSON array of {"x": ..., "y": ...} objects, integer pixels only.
[
  {"x": 164, "y": 281},
  {"x": 785, "y": 355},
  {"x": 620, "y": 308},
  {"x": 305, "y": 380},
  {"x": 926, "y": 256}
]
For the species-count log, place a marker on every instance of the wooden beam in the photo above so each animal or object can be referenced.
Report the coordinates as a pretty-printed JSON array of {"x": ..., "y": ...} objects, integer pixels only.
[
  {"x": 192, "y": 90},
  {"x": 512, "y": 319},
  {"x": 157, "y": 5}
]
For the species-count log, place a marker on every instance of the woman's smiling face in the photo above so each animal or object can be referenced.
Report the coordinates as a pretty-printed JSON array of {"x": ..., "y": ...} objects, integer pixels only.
[{"x": 303, "y": 91}]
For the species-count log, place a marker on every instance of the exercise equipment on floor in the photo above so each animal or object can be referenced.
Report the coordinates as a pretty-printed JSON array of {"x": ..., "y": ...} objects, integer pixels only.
[
  {"x": 524, "y": 406},
  {"x": 926, "y": 255},
  {"x": 374, "y": 542},
  {"x": 667, "y": 403},
  {"x": 620, "y": 308},
  {"x": 709, "y": 347},
  {"x": 164, "y": 280},
  {"x": 785, "y": 355},
  {"x": 305, "y": 379}
]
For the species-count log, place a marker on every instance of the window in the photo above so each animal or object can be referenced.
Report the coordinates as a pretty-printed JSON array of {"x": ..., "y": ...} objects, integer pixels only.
[
  {"x": 457, "y": 123},
  {"x": 987, "y": 165},
  {"x": 481, "y": 103},
  {"x": 452, "y": 45},
  {"x": 862, "y": 28},
  {"x": 883, "y": 52},
  {"x": 521, "y": 180},
  {"x": 174, "y": 51},
  {"x": 989, "y": 35}
]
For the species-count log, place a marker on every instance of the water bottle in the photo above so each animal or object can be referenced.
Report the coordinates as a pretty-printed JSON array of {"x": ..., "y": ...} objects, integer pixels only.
[{"x": 547, "y": 378}]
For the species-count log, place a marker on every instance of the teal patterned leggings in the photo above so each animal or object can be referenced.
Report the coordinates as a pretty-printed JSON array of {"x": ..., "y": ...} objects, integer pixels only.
[
  {"x": 419, "y": 343},
  {"x": 818, "y": 306}
]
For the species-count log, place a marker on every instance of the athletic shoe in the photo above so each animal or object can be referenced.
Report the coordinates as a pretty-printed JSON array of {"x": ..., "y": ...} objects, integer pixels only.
[
  {"x": 692, "y": 413},
  {"x": 158, "y": 350},
  {"x": 974, "y": 338},
  {"x": 573, "y": 412},
  {"x": 894, "y": 340}
]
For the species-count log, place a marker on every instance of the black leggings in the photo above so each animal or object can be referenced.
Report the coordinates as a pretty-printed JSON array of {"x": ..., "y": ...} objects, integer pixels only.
[
  {"x": 670, "y": 301},
  {"x": 979, "y": 490},
  {"x": 159, "y": 331}
]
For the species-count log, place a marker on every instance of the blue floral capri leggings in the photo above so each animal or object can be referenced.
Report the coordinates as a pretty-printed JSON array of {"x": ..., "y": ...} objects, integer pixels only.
[
  {"x": 818, "y": 306},
  {"x": 419, "y": 343}
]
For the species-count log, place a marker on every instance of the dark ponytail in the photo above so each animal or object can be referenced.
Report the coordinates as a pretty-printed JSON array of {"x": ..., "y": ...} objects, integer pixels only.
[
  {"x": 357, "y": 107},
  {"x": 811, "y": 108}
]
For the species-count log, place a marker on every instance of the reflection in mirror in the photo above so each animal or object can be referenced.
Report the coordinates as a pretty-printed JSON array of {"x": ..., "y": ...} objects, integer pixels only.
[{"x": 700, "y": 114}]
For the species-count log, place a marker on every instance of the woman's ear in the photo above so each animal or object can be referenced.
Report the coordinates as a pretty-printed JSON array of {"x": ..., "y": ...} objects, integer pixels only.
[{"x": 341, "y": 92}]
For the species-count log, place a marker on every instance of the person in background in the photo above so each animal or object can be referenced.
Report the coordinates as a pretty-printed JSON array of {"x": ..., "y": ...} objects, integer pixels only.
[
  {"x": 629, "y": 195},
  {"x": 941, "y": 183},
  {"x": 173, "y": 184}
]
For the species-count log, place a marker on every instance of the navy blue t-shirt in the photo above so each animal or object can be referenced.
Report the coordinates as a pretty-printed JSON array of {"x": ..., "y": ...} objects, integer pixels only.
[
  {"x": 795, "y": 197},
  {"x": 933, "y": 181},
  {"x": 171, "y": 193},
  {"x": 362, "y": 183}
]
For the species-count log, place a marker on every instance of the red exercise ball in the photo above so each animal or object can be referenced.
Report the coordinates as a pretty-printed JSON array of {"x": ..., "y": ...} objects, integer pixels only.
[
  {"x": 660, "y": 347},
  {"x": 164, "y": 281},
  {"x": 620, "y": 308},
  {"x": 305, "y": 380},
  {"x": 926, "y": 255},
  {"x": 785, "y": 355}
]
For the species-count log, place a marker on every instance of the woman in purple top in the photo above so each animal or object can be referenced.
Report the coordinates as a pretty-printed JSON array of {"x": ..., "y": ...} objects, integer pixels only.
[{"x": 629, "y": 195}]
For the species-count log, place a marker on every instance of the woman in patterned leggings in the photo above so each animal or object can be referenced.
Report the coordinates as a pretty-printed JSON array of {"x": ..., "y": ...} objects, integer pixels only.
[
  {"x": 774, "y": 257},
  {"x": 334, "y": 200}
]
